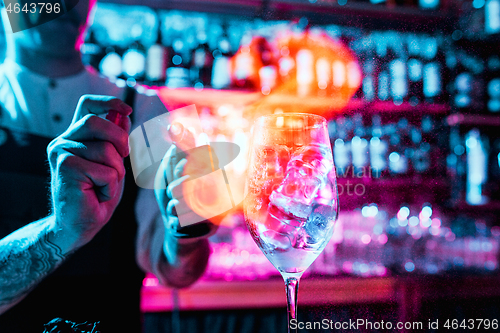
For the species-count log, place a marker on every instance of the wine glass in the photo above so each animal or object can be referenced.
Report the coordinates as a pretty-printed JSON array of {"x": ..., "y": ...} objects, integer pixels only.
[{"x": 291, "y": 197}]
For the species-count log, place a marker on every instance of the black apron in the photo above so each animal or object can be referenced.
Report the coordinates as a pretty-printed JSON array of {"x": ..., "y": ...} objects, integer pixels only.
[{"x": 101, "y": 281}]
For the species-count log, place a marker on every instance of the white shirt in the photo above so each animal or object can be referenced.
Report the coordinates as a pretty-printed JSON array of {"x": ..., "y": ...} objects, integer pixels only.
[{"x": 45, "y": 107}]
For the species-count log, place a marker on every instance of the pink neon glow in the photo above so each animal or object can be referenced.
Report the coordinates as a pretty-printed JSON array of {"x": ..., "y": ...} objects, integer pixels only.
[{"x": 366, "y": 239}]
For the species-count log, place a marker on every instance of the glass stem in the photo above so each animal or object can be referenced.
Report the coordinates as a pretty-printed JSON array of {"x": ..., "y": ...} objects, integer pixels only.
[{"x": 292, "y": 288}]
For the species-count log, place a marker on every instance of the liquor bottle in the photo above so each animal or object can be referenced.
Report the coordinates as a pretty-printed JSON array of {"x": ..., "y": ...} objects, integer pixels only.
[
  {"x": 384, "y": 77},
  {"x": 177, "y": 71},
  {"x": 221, "y": 76},
  {"x": 305, "y": 71},
  {"x": 342, "y": 148},
  {"x": 91, "y": 51},
  {"x": 378, "y": 148},
  {"x": 134, "y": 61},
  {"x": 370, "y": 71},
  {"x": 398, "y": 159},
  {"x": 339, "y": 75},
  {"x": 359, "y": 147},
  {"x": 399, "y": 82},
  {"x": 461, "y": 83},
  {"x": 323, "y": 75},
  {"x": 432, "y": 84},
  {"x": 421, "y": 159},
  {"x": 492, "y": 16},
  {"x": 111, "y": 64},
  {"x": 244, "y": 69},
  {"x": 477, "y": 167},
  {"x": 202, "y": 61},
  {"x": 286, "y": 65},
  {"x": 415, "y": 69},
  {"x": 156, "y": 61},
  {"x": 493, "y": 85},
  {"x": 175, "y": 53}
]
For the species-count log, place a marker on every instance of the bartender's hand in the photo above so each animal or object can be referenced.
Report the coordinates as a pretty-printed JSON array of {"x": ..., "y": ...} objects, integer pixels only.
[
  {"x": 179, "y": 167},
  {"x": 86, "y": 164},
  {"x": 186, "y": 248}
]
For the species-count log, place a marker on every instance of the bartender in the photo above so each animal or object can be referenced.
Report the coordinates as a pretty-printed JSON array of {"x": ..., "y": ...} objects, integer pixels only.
[{"x": 41, "y": 82}]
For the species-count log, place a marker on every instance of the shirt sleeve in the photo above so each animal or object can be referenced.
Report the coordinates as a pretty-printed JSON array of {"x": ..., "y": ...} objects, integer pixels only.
[{"x": 150, "y": 233}]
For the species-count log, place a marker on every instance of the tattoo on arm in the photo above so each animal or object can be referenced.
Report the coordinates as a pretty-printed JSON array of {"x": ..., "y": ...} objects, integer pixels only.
[{"x": 26, "y": 257}]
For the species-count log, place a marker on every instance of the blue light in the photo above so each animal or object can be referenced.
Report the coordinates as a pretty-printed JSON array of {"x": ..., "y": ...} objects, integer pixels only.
[
  {"x": 415, "y": 69},
  {"x": 492, "y": 16},
  {"x": 431, "y": 268},
  {"x": 198, "y": 86},
  {"x": 478, "y": 3},
  {"x": 459, "y": 150},
  {"x": 398, "y": 79},
  {"x": 383, "y": 86},
  {"x": 429, "y": 4},
  {"x": 394, "y": 157},
  {"x": 177, "y": 59},
  {"x": 494, "y": 87},
  {"x": 368, "y": 89},
  {"x": 432, "y": 80},
  {"x": 457, "y": 34},
  {"x": 409, "y": 266},
  {"x": 494, "y": 105}
]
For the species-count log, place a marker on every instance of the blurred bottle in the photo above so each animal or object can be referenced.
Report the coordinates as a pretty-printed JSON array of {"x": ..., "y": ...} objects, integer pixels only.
[
  {"x": 492, "y": 16},
  {"x": 177, "y": 71},
  {"x": 432, "y": 84},
  {"x": 359, "y": 148},
  {"x": 202, "y": 61},
  {"x": 221, "y": 76},
  {"x": 323, "y": 76},
  {"x": 339, "y": 75},
  {"x": 384, "y": 77},
  {"x": 493, "y": 85},
  {"x": 370, "y": 69},
  {"x": 378, "y": 148},
  {"x": 456, "y": 166},
  {"x": 415, "y": 72},
  {"x": 305, "y": 71},
  {"x": 399, "y": 81},
  {"x": 111, "y": 64},
  {"x": 268, "y": 72},
  {"x": 134, "y": 61},
  {"x": 156, "y": 61},
  {"x": 92, "y": 52},
  {"x": 477, "y": 167},
  {"x": 398, "y": 160},
  {"x": 342, "y": 148},
  {"x": 423, "y": 144},
  {"x": 286, "y": 65}
]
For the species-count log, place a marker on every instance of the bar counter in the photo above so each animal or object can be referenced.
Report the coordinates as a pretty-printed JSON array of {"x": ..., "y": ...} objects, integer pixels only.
[{"x": 407, "y": 293}]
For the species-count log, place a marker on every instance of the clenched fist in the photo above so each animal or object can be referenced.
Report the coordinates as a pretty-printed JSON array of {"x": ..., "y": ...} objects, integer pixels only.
[{"x": 86, "y": 164}]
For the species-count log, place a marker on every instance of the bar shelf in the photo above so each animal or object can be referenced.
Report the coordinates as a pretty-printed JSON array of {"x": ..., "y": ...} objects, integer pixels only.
[{"x": 255, "y": 101}]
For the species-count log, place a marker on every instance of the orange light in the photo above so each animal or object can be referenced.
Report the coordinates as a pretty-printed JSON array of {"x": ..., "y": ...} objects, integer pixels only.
[
  {"x": 208, "y": 196},
  {"x": 308, "y": 72}
]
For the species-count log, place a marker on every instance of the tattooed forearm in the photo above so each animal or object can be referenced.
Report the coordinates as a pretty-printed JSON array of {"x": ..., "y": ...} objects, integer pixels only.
[{"x": 26, "y": 257}]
